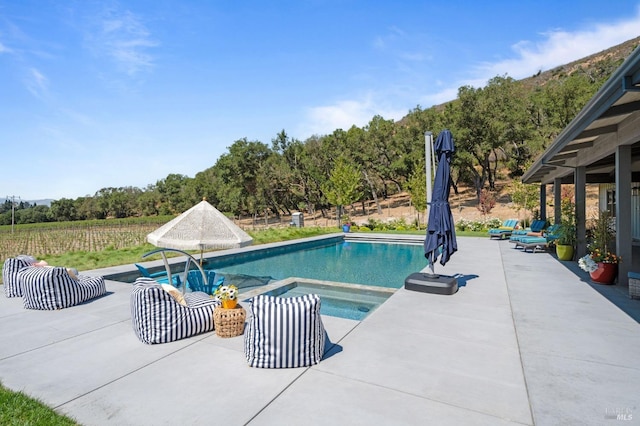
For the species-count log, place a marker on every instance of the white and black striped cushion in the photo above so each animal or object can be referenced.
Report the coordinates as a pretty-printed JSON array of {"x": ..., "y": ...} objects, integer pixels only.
[
  {"x": 284, "y": 332},
  {"x": 50, "y": 288},
  {"x": 158, "y": 318},
  {"x": 10, "y": 279}
]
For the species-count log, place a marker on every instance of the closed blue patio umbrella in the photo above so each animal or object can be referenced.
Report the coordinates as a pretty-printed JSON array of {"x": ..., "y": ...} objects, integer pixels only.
[{"x": 441, "y": 235}]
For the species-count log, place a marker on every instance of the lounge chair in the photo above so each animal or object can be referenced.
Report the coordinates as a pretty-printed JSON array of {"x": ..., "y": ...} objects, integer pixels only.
[
  {"x": 162, "y": 314},
  {"x": 195, "y": 281},
  {"x": 505, "y": 230},
  {"x": 535, "y": 229},
  {"x": 284, "y": 332},
  {"x": 161, "y": 276},
  {"x": 532, "y": 243},
  {"x": 551, "y": 233},
  {"x": 54, "y": 287}
]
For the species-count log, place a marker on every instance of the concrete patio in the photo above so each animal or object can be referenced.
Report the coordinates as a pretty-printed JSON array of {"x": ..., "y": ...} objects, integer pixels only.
[{"x": 526, "y": 340}]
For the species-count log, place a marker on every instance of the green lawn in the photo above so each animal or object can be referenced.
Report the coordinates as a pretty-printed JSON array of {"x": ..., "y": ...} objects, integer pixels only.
[{"x": 20, "y": 410}]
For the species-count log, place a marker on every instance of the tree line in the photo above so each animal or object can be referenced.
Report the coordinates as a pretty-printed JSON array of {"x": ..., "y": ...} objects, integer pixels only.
[{"x": 498, "y": 130}]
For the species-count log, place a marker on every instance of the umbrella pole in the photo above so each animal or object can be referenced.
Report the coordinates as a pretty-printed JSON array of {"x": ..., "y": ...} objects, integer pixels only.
[
  {"x": 432, "y": 267},
  {"x": 432, "y": 264},
  {"x": 428, "y": 146}
]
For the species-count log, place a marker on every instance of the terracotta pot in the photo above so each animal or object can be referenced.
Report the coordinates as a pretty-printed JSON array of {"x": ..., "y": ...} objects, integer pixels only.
[
  {"x": 229, "y": 304},
  {"x": 605, "y": 274}
]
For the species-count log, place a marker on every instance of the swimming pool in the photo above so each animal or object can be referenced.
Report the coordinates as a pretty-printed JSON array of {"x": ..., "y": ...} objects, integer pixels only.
[
  {"x": 350, "y": 301},
  {"x": 381, "y": 262},
  {"x": 369, "y": 263}
]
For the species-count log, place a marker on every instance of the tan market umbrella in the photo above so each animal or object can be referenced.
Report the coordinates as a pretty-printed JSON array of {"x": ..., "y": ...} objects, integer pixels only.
[{"x": 199, "y": 228}]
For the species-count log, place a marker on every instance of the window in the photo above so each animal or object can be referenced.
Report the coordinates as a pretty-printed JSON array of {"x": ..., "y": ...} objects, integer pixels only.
[{"x": 611, "y": 202}]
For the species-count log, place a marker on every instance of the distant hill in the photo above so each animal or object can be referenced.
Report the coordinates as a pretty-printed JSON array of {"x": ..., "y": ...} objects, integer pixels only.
[
  {"x": 45, "y": 202},
  {"x": 591, "y": 64},
  {"x": 601, "y": 63}
]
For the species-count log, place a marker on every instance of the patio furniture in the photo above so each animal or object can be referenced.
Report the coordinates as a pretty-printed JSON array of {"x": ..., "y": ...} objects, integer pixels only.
[
  {"x": 532, "y": 243},
  {"x": 158, "y": 317},
  {"x": 229, "y": 322},
  {"x": 505, "y": 230},
  {"x": 548, "y": 233},
  {"x": 196, "y": 282},
  {"x": 535, "y": 229},
  {"x": 284, "y": 332},
  {"x": 10, "y": 269},
  {"x": 54, "y": 287},
  {"x": 161, "y": 277}
]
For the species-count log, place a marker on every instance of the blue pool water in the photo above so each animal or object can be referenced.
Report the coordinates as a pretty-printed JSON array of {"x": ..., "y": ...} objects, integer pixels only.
[
  {"x": 375, "y": 264},
  {"x": 335, "y": 300}
]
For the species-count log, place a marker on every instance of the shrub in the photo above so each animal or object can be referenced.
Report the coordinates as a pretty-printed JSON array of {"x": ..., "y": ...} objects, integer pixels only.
[
  {"x": 487, "y": 202},
  {"x": 397, "y": 225},
  {"x": 478, "y": 225}
]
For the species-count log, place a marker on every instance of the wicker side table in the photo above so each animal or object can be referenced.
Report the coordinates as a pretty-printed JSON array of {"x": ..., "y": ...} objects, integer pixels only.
[{"x": 229, "y": 322}]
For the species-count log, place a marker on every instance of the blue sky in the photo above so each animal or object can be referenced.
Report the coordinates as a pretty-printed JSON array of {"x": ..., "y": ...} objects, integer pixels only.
[{"x": 102, "y": 94}]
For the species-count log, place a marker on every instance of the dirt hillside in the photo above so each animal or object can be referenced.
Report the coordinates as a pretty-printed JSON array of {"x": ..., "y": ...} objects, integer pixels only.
[{"x": 463, "y": 206}]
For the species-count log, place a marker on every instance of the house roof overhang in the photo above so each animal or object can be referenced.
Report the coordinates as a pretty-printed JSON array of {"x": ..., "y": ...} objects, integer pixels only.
[{"x": 611, "y": 118}]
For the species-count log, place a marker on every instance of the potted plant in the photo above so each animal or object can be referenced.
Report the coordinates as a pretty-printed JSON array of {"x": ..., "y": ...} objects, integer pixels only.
[
  {"x": 601, "y": 263},
  {"x": 228, "y": 295},
  {"x": 601, "y": 266},
  {"x": 566, "y": 240}
]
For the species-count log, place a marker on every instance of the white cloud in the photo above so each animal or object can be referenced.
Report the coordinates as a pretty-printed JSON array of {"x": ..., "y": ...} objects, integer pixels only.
[
  {"x": 344, "y": 114},
  {"x": 36, "y": 83},
  {"x": 124, "y": 38},
  {"x": 440, "y": 97},
  {"x": 4, "y": 49},
  {"x": 556, "y": 47},
  {"x": 560, "y": 47}
]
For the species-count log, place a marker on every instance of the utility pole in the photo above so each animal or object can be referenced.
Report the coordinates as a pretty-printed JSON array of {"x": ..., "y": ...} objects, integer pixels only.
[{"x": 13, "y": 210}]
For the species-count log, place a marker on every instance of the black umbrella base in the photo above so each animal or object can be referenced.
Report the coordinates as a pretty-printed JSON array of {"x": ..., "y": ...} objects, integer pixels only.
[{"x": 427, "y": 283}]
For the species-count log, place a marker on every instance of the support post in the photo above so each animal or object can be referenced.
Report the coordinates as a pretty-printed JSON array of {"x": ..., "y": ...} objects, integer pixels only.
[
  {"x": 624, "y": 244},
  {"x": 543, "y": 202},
  {"x": 580, "y": 180},
  {"x": 557, "y": 201}
]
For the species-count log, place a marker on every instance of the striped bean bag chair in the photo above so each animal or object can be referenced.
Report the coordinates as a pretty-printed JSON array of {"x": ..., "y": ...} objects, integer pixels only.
[
  {"x": 50, "y": 288},
  {"x": 158, "y": 317},
  {"x": 10, "y": 269},
  {"x": 284, "y": 332}
]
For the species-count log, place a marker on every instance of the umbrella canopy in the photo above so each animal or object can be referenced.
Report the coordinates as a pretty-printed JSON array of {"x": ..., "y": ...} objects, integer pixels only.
[
  {"x": 441, "y": 235},
  {"x": 199, "y": 228}
]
